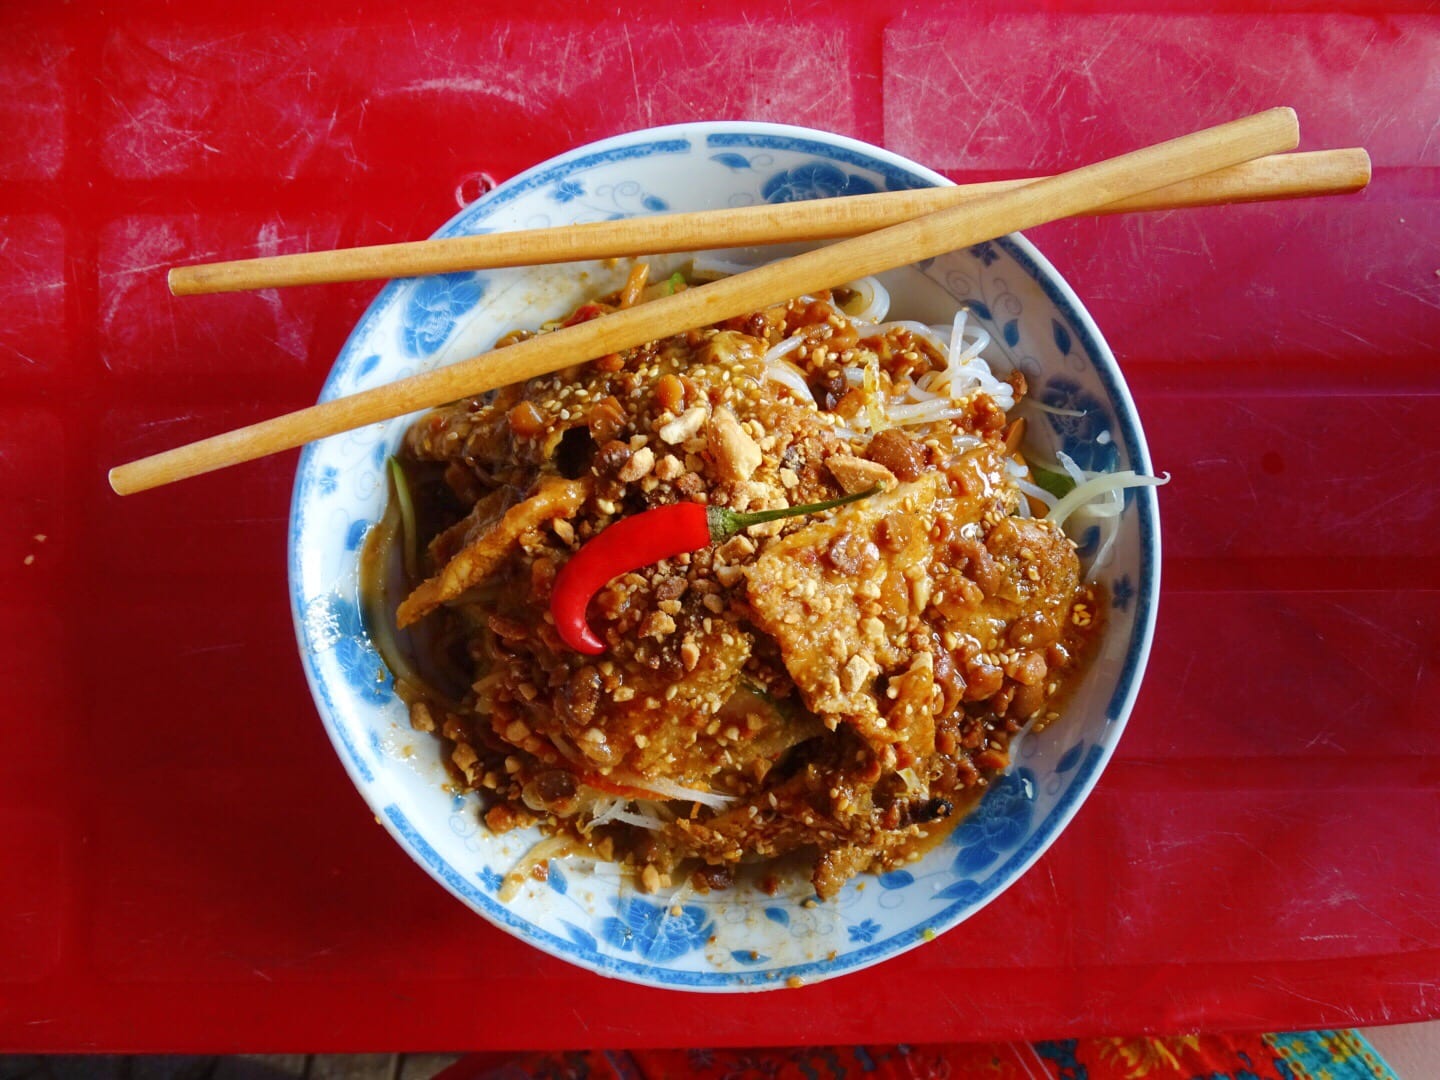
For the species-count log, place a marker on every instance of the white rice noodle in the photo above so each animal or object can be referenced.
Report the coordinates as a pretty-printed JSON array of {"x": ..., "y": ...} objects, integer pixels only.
[
  {"x": 873, "y": 304},
  {"x": 915, "y": 392},
  {"x": 969, "y": 356},
  {"x": 641, "y": 820},
  {"x": 606, "y": 809},
  {"x": 1071, "y": 469},
  {"x": 784, "y": 348},
  {"x": 871, "y": 387},
  {"x": 549, "y": 848},
  {"x": 930, "y": 381},
  {"x": 678, "y": 895},
  {"x": 957, "y": 336},
  {"x": 1098, "y": 486},
  {"x": 922, "y": 412},
  {"x": 785, "y": 373},
  {"x": 1104, "y": 508},
  {"x": 1036, "y": 492},
  {"x": 668, "y": 789},
  {"x": 1019, "y": 476},
  {"x": 1053, "y": 411},
  {"x": 965, "y": 370},
  {"x": 1110, "y": 505},
  {"x": 1110, "y": 530},
  {"x": 788, "y": 376}
]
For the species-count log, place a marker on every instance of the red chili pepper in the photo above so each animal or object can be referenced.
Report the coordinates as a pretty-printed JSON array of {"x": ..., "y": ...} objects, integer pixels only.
[
  {"x": 584, "y": 313},
  {"x": 647, "y": 538}
]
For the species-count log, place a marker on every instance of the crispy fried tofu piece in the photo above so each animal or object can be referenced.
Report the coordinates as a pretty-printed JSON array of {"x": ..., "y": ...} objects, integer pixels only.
[
  {"x": 795, "y": 587},
  {"x": 1041, "y": 573},
  {"x": 632, "y": 730},
  {"x": 554, "y": 498}
]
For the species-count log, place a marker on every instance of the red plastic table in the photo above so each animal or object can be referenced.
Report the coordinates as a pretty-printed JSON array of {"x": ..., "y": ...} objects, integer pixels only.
[{"x": 183, "y": 863}]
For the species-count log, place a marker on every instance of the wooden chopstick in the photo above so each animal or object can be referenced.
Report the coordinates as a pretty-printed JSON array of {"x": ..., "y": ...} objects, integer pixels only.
[
  {"x": 1067, "y": 194},
  {"x": 1281, "y": 176}
]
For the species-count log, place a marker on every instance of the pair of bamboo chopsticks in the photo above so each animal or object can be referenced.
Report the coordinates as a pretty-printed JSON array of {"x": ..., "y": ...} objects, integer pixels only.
[
  {"x": 1214, "y": 165},
  {"x": 1279, "y": 176}
]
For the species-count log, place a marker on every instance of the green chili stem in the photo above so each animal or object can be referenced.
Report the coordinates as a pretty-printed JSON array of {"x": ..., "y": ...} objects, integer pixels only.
[{"x": 726, "y": 523}]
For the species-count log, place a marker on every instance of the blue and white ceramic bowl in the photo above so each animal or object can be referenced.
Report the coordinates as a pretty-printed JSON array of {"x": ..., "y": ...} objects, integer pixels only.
[{"x": 591, "y": 914}]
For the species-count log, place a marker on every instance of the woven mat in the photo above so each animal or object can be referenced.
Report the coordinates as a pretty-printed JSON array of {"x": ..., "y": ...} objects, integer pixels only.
[{"x": 1308, "y": 1055}]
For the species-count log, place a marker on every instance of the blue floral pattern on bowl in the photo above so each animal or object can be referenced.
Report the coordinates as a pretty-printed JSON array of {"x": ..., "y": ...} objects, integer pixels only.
[
  {"x": 1080, "y": 436},
  {"x": 567, "y": 190},
  {"x": 591, "y": 914},
  {"x": 336, "y": 620},
  {"x": 1122, "y": 591},
  {"x": 864, "y": 931},
  {"x": 656, "y": 932},
  {"x": 814, "y": 180},
  {"x": 435, "y": 306},
  {"x": 997, "y": 825}
]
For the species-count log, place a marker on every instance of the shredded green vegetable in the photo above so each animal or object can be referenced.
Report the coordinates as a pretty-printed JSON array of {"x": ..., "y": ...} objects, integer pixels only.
[
  {"x": 378, "y": 612},
  {"x": 408, "y": 538},
  {"x": 674, "y": 283},
  {"x": 1058, "y": 484}
]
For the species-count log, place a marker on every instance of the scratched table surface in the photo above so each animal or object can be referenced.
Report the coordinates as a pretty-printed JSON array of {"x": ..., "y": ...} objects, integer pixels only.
[{"x": 183, "y": 863}]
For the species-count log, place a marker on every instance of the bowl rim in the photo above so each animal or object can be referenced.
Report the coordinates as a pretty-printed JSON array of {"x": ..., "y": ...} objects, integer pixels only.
[{"x": 1128, "y": 679}]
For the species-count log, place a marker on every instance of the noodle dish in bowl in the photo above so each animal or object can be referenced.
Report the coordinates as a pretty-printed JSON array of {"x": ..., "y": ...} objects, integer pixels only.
[{"x": 755, "y": 654}]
